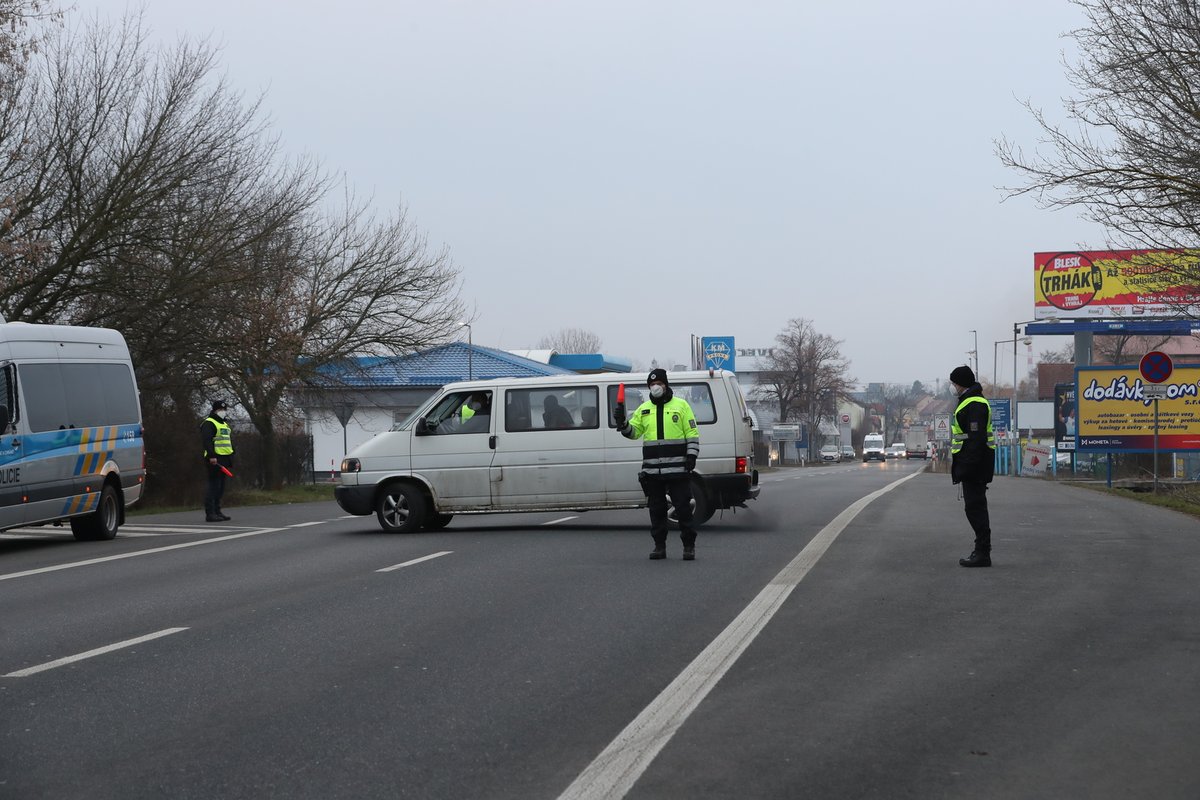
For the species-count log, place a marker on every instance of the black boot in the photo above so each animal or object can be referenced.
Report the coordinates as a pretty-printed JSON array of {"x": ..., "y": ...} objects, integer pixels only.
[
  {"x": 658, "y": 553},
  {"x": 689, "y": 553},
  {"x": 976, "y": 559}
]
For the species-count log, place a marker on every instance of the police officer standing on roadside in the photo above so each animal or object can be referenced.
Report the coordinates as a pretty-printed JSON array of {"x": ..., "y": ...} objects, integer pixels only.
[
  {"x": 218, "y": 453},
  {"x": 973, "y": 460},
  {"x": 670, "y": 445}
]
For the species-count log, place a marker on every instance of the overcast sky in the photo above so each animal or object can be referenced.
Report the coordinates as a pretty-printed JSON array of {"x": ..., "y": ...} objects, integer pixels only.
[{"x": 653, "y": 170}]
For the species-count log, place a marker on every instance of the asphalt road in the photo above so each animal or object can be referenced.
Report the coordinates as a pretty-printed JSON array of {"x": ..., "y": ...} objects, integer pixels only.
[{"x": 825, "y": 643}]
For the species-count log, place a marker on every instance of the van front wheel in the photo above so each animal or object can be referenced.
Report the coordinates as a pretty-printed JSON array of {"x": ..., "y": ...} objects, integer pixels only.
[
  {"x": 400, "y": 508},
  {"x": 102, "y": 523}
]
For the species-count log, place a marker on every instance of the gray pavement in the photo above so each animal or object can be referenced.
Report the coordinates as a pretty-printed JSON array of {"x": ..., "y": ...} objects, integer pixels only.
[{"x": 1071, "y": 668}]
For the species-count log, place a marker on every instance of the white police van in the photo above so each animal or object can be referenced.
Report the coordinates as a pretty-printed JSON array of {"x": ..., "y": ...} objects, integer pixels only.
[
  {"x": 541, "y": 444},
  {"x": 71, "y": 444}
]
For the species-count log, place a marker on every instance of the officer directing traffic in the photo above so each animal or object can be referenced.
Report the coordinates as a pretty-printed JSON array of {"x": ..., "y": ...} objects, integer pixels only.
[
  {"x": 670, "y": 445},
  {"x": 218, "y": 458}
]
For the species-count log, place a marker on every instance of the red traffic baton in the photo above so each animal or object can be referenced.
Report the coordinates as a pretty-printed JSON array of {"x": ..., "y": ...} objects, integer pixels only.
[
  {"x": 225, "y": 470},
  {"x": 620, "y": 394}
]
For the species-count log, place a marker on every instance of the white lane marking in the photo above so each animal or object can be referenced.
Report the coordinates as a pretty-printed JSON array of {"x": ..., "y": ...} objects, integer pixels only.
[
  {"x": 23, "y": 673},
  {"x": 564, "y": 519},
  {"x": 613, "y": 773},
  {"x": 415, "y": 561},
  {"x": 306, "y": 524},
  {"x": 164, "y": 529},
  {"x": 120, "y": 556}
]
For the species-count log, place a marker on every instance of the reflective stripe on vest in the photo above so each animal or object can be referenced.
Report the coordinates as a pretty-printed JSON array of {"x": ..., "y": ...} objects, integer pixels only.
[
  {"x": 957, "y": 436},
  {"x": 222, "y": 444}
]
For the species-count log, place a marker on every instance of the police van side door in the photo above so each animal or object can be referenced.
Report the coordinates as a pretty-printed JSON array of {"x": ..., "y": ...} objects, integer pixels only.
[{"x": 12, "y": 490}]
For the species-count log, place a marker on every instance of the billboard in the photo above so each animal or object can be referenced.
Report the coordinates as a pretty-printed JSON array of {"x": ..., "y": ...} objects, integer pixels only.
[
  {"x": 1064, "y": 416},
  {"x": 1106, "y": 284},
  {"x": 1114, "y": 415}
]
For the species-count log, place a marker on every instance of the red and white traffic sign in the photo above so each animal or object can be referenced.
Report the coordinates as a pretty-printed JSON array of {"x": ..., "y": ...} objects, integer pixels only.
[{"x": 1155, "y": 366}]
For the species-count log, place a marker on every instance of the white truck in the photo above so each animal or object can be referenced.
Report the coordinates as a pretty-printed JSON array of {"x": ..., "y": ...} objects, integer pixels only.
[
  {"x": 916, "y": 443},
  {"x": 873, "y": 448}
]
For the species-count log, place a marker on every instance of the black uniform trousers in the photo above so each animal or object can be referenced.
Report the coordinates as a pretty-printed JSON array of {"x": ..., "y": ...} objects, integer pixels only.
[
  {"x": 215, "y": 489},
  {"x": 680, "y": 490},
  {"x": 975, "y": 504}
]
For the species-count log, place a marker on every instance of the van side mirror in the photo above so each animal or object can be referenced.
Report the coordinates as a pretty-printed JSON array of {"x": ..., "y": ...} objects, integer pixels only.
[
  {"x": 422, "y": 428},
  {"x": 4, "y": 419}
]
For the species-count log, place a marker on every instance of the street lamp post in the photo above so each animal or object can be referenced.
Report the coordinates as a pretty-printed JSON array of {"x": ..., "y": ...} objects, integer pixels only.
[
  {"x": 470, "y": 351},
  {"x": 975, "y": 352}
]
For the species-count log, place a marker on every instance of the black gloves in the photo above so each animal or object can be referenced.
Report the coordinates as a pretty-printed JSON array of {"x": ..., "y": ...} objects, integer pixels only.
[
  {"x": 619, "y": 417},
  {"x": 691, "y": 463}
]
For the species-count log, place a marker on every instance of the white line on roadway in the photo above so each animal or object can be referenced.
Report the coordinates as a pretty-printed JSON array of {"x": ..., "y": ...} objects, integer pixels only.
[
  {"x": 614, "y": 772},
  {"x": 564, "y": 519},
  {"x": 415, "y": 561},
  {"x": 120, "y": 556},
  {"x": 23, "y": 673},
  {"x": 306, "y": 524}
]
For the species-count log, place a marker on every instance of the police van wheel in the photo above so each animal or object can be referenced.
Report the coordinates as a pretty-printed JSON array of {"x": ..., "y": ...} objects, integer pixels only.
[
  {"x": 435, "y": 521},
  {"x": 102, "y": 523},
  {"x": 400, "y": 508}
]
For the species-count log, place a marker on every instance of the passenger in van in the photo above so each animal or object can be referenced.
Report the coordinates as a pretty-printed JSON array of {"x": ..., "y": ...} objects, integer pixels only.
[
  {"x": 670, "y": 446},
  {"x": 218, "y": 456},
  {"x": 555, "y": 416},
  {"x": 587, "y": 417}
]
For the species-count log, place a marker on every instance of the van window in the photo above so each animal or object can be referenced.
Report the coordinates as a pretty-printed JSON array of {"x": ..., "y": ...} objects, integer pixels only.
[
  {"x": 551, "y": 408},
  {"x": 8, "y": 393},
  {"x": 461, "y": 412},
  {"x": 45, "y": 396},
  {"x": 698, "y": 396},
  {"x": 99, "y": 394}
]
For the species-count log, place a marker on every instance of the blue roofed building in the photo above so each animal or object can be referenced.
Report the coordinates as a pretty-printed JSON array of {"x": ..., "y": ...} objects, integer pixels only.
[{"x": 367, "y": 395}]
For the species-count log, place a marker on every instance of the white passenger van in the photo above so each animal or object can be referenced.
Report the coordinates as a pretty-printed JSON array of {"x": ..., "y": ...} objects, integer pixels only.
[
  {"x": 541, "y": 444},
  {"x": 70, "y": 428}
]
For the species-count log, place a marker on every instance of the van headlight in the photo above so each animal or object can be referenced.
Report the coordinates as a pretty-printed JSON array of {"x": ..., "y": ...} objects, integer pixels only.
[{"x": 351, "y": 465}]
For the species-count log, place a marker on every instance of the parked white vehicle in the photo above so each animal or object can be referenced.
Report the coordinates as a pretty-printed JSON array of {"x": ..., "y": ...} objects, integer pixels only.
[
  {"x": 541, "y": 444},
  {"x": 70, "y": 428}
]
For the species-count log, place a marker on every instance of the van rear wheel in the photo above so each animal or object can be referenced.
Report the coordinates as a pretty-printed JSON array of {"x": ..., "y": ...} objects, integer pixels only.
[
  {"x": 702, "y": 507},
  {"x": 102, "y": 523},
  {"x": 400, "y": 508}
]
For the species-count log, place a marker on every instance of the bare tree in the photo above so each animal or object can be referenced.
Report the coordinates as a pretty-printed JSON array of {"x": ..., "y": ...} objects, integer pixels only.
[
  {"x": 1127, "y": 156},
  {"x": 806, "y": 374},
  {"x": 571, "y": 340},
  {"x": 320, "y": 295},
  {"x": 899, "y": 401}
]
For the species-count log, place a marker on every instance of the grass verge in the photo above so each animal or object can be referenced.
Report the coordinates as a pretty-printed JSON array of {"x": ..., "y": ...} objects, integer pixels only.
[{"x": 298, "y": 493}]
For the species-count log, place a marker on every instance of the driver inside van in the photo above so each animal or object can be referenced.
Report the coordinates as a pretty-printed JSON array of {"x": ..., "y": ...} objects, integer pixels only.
[{"x": 475, "y": 413}]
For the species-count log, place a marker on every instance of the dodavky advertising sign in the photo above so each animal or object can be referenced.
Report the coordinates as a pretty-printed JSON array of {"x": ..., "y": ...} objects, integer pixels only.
[{"x": 1114, "y": 413}]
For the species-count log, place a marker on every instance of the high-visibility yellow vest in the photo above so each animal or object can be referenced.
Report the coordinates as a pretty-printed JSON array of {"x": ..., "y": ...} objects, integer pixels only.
[
  {"x": 222, "y": 443},
  {"x": 957, "y": 437},
  {"x": 665, "y": 451}
]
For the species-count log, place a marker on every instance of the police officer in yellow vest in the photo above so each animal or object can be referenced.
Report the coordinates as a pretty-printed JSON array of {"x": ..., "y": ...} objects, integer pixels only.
[
  {"x": 973, "y": 460},
  {"x": 670, "y": 445},
  {"x": 218, "y": 452}
]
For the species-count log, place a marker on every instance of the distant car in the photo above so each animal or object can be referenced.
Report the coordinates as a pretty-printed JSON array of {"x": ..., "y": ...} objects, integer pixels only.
[
  {"x": 830, "y": 452},
  {"x": 848, "y": 453},
  {"x": 897, "y": 450}
]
